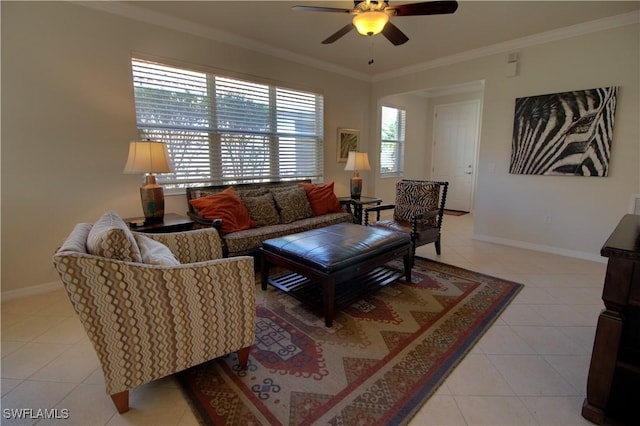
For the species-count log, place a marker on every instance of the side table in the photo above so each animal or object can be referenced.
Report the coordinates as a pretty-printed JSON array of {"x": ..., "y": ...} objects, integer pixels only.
[
  {"x": 357, "y": 206},
  {"x": 171, "y": 223}
]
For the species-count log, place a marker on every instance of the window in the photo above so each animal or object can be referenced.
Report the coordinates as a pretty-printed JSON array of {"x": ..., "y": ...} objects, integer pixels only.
[
  {"x": 392, "y": 141},
  {"x": 221, "y": 130}
]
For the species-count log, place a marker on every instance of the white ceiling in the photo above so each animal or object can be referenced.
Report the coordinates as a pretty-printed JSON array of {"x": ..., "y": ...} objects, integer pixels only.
[{"x": 476, "y": 28}]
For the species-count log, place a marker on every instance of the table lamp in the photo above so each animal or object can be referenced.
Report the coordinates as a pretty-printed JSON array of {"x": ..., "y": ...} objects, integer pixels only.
[
  {"x": 357, "y": 161},
  {"x": 150, "y": 157}
]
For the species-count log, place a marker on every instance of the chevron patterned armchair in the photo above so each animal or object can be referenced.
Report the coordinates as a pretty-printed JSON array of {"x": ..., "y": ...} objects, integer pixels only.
[{"x": 155, "y": 304}]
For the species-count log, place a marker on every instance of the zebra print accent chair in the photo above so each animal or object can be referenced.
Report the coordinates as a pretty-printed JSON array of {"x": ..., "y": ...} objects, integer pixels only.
[
  {"x": 418, "y": 211},
  {"x": 150, "y": 320}
]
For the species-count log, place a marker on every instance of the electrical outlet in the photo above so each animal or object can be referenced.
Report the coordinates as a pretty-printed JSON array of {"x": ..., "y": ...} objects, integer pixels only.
[{"x": 547, "y": 219}]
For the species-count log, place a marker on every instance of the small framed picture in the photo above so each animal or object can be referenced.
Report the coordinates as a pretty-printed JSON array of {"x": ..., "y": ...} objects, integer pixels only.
[{"x": 348, "y": 140}]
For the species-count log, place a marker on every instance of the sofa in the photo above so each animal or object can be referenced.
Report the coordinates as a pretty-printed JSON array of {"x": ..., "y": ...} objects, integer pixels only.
[
  {"x": 248, "y": 214},
  {"x": 156, "y": 304}
]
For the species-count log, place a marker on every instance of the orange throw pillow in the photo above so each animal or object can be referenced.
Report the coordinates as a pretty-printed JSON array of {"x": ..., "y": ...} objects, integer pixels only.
[
  {"x": 322, "y": 198},
  {"x": 225, "y": 205}
]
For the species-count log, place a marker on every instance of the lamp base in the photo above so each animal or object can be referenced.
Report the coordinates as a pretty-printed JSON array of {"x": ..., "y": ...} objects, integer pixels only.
[
  {"x": 152, "y": 196},
  {"x": 356, "y": 187}
]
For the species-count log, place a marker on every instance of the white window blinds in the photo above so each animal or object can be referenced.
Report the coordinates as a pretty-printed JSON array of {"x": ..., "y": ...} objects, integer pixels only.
[
  {"x": 222, "y": 130},
  {"x": 392, "y": 141}
]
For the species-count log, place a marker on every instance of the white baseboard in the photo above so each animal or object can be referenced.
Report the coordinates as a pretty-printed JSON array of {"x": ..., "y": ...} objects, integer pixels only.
[
  {"x": 538, "y": 247},
  {"x": 30, "y": 291}
]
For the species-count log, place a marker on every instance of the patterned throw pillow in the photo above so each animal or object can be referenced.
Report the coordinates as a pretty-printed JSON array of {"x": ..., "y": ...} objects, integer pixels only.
[
  {"x": 154, "y": 252},
  {"x": 293, "y": 204},
  {"x": 415, "y": 198},
  {"x": 225, "y": 205},
  {"x": 110, "y": 237},
  {"x": 262, "y": 209},
  {"x": 242, "y": 193}
]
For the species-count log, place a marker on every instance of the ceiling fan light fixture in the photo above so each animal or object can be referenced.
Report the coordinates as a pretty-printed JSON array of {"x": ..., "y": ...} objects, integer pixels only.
[{"x": 371, "y": 22}]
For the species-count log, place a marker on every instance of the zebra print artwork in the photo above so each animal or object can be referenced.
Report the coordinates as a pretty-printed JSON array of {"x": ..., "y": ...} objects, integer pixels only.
[{"x": 564, "y": 133}]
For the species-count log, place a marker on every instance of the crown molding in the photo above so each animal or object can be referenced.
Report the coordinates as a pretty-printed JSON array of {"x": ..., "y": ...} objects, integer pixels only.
[
  {"x": 179, "y": 24},
  {"x": 509, "y": 46},
  {"x": 151, "y": 17}
]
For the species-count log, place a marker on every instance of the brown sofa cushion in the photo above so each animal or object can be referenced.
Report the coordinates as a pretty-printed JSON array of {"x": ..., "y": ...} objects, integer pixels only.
[
  {"x": 242, "y": 193},
  {"x": 292, "y": 204},
  {"x": 262, "y": 209},
  {"x": 249, "y": 240}
]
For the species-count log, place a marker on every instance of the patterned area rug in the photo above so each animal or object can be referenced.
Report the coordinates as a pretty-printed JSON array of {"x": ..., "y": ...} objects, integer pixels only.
[{"x": 383, "y": 358}]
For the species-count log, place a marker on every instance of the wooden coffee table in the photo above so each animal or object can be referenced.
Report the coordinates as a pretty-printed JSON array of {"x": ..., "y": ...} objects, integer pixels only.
[{"x": 335, "y": 265}]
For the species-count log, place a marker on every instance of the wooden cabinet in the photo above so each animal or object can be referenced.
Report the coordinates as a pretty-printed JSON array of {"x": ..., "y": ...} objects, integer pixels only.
[{"x": 613, "y": 385}]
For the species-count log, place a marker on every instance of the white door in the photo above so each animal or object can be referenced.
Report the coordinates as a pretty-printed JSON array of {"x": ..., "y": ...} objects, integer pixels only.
[{"x": 454, "y": 151}]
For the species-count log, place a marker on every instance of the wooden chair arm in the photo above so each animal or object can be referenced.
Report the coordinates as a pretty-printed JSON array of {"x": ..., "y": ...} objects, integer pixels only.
[
  {"x": 380, "y": 208},
  {"x": 377, "y": 209}
]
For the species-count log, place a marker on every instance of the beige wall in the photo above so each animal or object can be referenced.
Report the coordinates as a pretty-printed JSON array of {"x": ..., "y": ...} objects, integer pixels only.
[
  {"x": 510, "y": 209},
  {"x": 68, "y": 116}
]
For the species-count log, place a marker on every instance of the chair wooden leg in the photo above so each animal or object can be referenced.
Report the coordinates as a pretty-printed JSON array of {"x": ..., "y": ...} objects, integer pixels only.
[
  {"x": 438, "y": 246},
  {"x": 243, "y": 357},
  {"x": 408, "y": 266},
  {"x": 121, "y": 401}
]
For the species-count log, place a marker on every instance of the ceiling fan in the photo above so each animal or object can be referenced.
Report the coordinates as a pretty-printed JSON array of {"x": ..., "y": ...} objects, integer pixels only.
[{"x": 371, "y": 17}]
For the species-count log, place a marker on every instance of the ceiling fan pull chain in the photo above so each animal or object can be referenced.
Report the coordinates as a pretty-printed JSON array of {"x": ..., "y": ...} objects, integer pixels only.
[{"x": 371, "y": 41}]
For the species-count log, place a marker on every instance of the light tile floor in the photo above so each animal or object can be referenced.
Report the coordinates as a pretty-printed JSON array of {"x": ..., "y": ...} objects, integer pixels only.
[{"x": 529, "y": 368}]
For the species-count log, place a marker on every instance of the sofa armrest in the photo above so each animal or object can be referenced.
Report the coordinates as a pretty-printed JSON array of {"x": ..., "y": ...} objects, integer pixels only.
[
  {"x": 206, "y": 223},
  {"x": 147, "y": 321}
]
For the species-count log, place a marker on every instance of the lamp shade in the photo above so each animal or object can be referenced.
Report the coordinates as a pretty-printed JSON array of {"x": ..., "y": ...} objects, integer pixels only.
[
  {"x": 371, "y": 22},
  {"x": 357, "y": 161},
  {"x": 148, "y": 157}
]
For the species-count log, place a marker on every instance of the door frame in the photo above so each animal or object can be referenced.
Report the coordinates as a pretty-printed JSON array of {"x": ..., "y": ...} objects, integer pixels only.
[{"x": 476, "y": 142}]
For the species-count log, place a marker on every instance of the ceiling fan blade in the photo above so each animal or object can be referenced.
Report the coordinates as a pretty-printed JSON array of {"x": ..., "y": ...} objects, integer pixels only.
[
  {"x": 341, "y": 32},
  {"x": 394, "y": 35},
  {"x": 425, "y": 8},
  {"x": 319, "y": 9}
]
